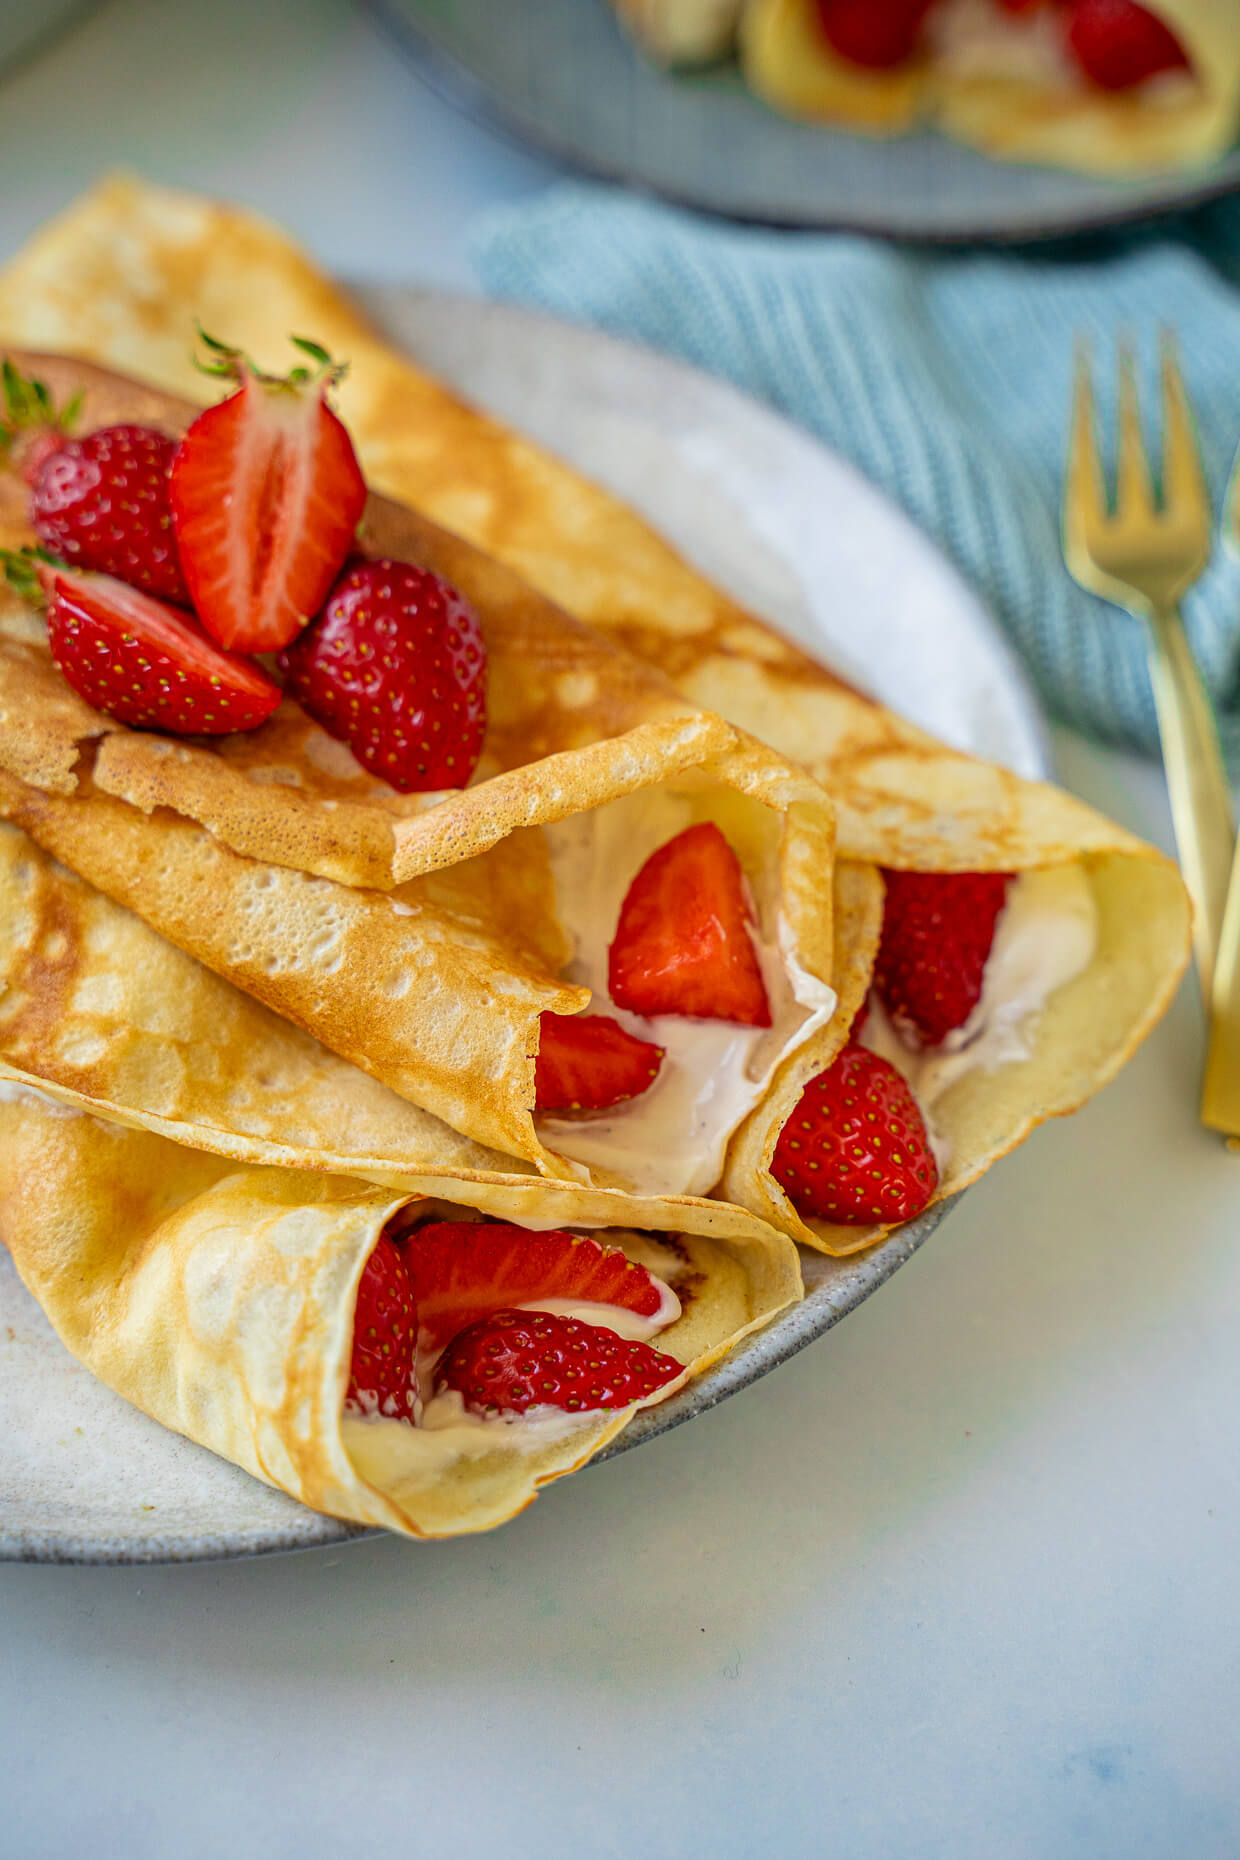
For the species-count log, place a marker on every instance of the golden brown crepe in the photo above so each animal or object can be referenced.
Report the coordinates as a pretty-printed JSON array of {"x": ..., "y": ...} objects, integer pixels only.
[
  {"x": 1173, "y": 122},
  {"x": 221, "y": 1301},
  {"x": 119, "y": 278},
  {"x": 682, "y": 32},
  {"x": 250, "y": 850}
]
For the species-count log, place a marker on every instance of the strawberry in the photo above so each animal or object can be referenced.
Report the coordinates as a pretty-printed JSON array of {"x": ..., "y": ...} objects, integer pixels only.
[
  {"x": 682, "y": 945},
  {"x": 102, "y": 503},
  {"x": 1118, "y": 44},
  {"x": 143, "y": 663},
  {"x": 875, "y": 33},
  {"x": 938, "y": 928},
  {"x": 855, "y": 1149},
  {"x": 396, "y": 667},
  {"x": 267, "y": 494},
  {"x": 461, "y": 1271},
  {"x": 516, "y": 1360},
  {"x": 587, "y": 1062},
  {"x": 381, "y": 1371}
]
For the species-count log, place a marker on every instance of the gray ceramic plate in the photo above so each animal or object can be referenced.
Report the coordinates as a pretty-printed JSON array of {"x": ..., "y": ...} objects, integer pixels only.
[
  {"x": 560, "y": 74},
  {"x": 86, "y": 1478}
]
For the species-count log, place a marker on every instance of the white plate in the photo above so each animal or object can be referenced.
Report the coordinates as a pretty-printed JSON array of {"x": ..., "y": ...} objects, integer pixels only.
[{"x": 789, "y": 528}]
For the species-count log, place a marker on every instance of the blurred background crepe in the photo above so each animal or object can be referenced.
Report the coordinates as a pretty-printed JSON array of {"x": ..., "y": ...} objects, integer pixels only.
[
  {"x": 901, "y": 800},
  {"x": 223, "y": 1304}
]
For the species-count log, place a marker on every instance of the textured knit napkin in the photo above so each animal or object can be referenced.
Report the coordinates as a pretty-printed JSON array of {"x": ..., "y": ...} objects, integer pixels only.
[{"x": 944, "y": 376}]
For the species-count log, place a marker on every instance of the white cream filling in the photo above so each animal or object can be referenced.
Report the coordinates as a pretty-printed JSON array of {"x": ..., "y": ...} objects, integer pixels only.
[
  {"x": 670, "y": 1140},
  {"x": 1046, "y": 935},
  {"x": 446, "y": 1433}
]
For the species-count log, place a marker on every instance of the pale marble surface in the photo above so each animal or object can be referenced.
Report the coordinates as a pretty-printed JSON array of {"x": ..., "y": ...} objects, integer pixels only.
[{"x": 960, "y": 1581}]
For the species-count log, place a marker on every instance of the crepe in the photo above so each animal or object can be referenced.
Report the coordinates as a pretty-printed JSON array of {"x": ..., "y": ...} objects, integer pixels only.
[
  {"x": 257, "y": 852},
  {"x": 1174, "y": 122},
  {"x": 220, "y": 1301},
  {"x": 117, "y": 278},
  {"x": 682, "y": 32}
]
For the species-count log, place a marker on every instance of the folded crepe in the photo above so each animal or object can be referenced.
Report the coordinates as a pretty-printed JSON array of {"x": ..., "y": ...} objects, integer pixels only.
[
  {"x": 1002, "y": 85},
  {"x": 260, "y": 852},
  {"x": 118, "y": 278},
  {"x": 221, "y": 1301}
]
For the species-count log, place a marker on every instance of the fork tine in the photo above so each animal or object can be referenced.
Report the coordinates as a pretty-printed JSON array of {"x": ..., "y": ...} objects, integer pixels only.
[
  {"x": 1134, "y": 490},
  {"x": 1184, "y": 479},
  {"x": 1085, "y": 490}
]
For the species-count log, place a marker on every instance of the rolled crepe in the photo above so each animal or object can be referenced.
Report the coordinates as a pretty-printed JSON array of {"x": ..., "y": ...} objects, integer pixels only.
[
  {"x": 1028, "y": 105},
  {"x": 682, "y": 32},
  {"x": 221, "y": 1302},
  {"x": 901, "y": 799},
  {"x": 249, "y": 852}
]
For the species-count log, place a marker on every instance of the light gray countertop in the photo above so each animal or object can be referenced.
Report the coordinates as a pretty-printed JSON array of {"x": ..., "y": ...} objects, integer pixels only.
[{"x": 961, "y": 1580}]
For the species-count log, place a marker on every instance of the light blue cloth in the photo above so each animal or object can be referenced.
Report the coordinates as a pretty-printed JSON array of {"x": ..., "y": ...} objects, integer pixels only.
[{"x": 944, "y": 376}]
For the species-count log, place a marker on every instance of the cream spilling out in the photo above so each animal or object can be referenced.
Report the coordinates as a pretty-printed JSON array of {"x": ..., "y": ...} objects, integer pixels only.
[
  {"x": 1046, "y": 935},
  {"x": 981, "y": 40},
  {"x": 671, "y": 1140},
  {"x": 447, "y": 1438}
]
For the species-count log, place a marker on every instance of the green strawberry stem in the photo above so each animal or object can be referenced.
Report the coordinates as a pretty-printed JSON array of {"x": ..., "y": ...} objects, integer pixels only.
[
  {"x": 23, "y": 576},
  {"x": 28, "y": 407},
  {"x": 231, "y": 364}
]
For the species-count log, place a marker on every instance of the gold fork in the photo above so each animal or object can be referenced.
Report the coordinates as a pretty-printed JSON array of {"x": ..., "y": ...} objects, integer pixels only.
[
  {"x": 1144, "y": 557},
  {"x": 1220, "y": 1092}
]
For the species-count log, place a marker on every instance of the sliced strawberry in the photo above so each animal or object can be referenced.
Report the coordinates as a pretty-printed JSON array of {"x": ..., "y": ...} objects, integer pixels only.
[
  {"x": 141, "y": 662},
  {"x": 267, "y": 494},
  {"x": 381, "y": 1372},
  {"x": 396, "y": 667},
  {"x": 587, "y": 1062},
  {"x": 938, "y": 928},
  {"x": 855, "y": 1149},
  {"x": 1118, "y": 44},
  {"x": 878, "y": 34},
  {"x": 516, "y": 1360},
  {"x": 682, "y": 944},
  {"x": 464, "y": 1270},
  {"x": 102, "y": 503}
]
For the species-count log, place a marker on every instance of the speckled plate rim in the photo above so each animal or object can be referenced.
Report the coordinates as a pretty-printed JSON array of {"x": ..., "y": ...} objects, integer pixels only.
[
  {"x": 493, "y": 351},
  {"x": 463, "y": 90}
]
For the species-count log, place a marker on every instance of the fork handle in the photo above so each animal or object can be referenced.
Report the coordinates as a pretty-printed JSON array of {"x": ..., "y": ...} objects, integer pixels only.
[{"x": 1201, "y": 804}]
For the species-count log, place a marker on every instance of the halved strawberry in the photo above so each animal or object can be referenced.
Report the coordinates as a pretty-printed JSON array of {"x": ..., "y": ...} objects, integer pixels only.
[
  {"x": 682, "y": 945},
  {"x": 267, "y": 494},
  {"x": 141, "y": 662},
  {"x": 587, "y": 1062},
  {"x": 938, "y": 929},
  {"x": 397, "y": 668},
  {"x": 1119, "y": 44},
  {"x": 875, "y": 33},
  {"x": 516, "y": 1360},
  {"x": 460, "y": 1271},
  {"x": 381, "y": 1371},
  {"x": 855, "y": 1149}
]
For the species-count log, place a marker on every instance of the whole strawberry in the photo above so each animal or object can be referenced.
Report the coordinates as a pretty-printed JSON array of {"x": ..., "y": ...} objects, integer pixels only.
[
  {"x": 381, "y": 1372},
  {"x": 855, "y": 1149},
  {"x": 516, "y": 1360},
  {"x": 101, "y": 502},
  {"x": 396, "y": 667},
  {"x": 938, "y": 929}
]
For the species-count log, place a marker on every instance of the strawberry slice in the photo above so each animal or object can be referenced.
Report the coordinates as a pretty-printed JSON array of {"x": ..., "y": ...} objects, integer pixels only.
[
  {"x": 143, "y": 663},
  {"x": 855, "y": 1149},
  {"x": 1118, "y": 44},
  {"x": 382, "y": 1377},
  {"x": 587, "y": 1062},
  {"x": 682, "y": 944},
  {"x": 397, "y": 668},
  {"x": 267, "y": 494},
  {"x": 877, "y": 34},
  {"x": 938, "y": 929},
  {"x": 461, "y": 1271},
  {"x": 517, "y": 1360}
]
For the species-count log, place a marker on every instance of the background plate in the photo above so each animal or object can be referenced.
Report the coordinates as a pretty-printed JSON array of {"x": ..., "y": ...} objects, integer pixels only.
[
  {"x": 562, "y": 75},
  {"x": 86, "y": 1478}
]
